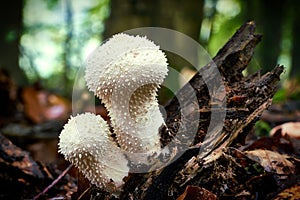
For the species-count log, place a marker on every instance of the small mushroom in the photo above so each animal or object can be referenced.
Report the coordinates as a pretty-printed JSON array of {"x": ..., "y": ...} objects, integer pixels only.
[
  {"x": 85, "y": 142},
  {"x": 125, "y": 73}
]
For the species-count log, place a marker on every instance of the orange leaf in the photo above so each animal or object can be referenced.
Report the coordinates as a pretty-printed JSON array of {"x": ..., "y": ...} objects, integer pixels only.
[{"x": 196, "y": 193}]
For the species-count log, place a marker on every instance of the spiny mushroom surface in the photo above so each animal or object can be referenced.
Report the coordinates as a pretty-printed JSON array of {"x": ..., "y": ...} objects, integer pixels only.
[
  {"x": 85, "y": 142},
  {"x": 125, "y": 73}
]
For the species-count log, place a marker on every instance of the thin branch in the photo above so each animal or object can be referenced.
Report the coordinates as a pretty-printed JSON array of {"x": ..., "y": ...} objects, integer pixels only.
[{"x": 53, "y": 183}]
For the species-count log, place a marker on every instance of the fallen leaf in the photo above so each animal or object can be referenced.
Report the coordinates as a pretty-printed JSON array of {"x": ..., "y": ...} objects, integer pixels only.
[
  {"x": 290, "y": 128},
  {"x": 41, "y": 106},
  {"x": 291, "y": 193},
  {"x": 278, "y": 143},
  {"x": 196, "y": 193},
  {"x": 272, "y": 161}
]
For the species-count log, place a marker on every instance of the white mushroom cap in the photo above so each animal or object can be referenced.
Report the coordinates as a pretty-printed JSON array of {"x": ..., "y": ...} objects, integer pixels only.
[
  {"x": 125, "y": 73},
  {"x": 85, "y": 142},
  {"x": 124, "y": 60}
]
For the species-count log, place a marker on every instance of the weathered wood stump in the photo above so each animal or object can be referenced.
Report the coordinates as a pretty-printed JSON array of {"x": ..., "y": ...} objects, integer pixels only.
[{"x": 212, "y": 161}]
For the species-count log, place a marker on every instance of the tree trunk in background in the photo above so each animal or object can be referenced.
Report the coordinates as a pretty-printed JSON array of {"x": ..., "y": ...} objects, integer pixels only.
[
  {"x": 183, "y": 16},
  {"x": 179, "y": 15},
  {"x": 269, "y": 15},
  {"x": 10, "y": 33},
  {"x": 295, "y": 54},
  {"x": 69, "y": 24},
  {"x": 270, "y": 21},
  {"x": 129, "y": 14}
]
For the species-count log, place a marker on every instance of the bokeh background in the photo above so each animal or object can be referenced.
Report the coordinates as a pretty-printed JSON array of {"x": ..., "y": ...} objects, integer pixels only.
[{"x": 46, "y": 42}]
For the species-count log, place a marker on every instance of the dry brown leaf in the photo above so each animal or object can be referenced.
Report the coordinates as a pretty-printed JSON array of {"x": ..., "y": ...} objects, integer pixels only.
[
  {"x": 196, "y": 193},
  {"x": 41, "y": 106},
  {"x": 272, "y": 161},
  {"x": 291, "y": 193},
  {"x": 291, "y": 128}
]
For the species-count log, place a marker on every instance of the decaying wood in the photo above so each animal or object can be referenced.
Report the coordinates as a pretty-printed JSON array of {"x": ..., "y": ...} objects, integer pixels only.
[
  {"x": 212, "y": 162},
  {"x": 18, "y": 169},
  {"x": 23, "y": 164},
  {"x": 23, "y": 178}
]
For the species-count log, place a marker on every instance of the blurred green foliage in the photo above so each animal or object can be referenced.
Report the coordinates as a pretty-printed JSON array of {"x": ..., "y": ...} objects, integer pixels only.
[
  {"x": 58, "y": 36},
  {"x": 280, "y": 96},
  {"x": 262, "y": 128}
]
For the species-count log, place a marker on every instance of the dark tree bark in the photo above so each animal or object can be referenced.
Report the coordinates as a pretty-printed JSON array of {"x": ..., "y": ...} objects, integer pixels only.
[
  {"x": 10, "y": 33},
  {"x": 208, "y": 162}
]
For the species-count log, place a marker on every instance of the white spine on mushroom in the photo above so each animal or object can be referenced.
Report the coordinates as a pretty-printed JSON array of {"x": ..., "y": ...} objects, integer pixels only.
[
  {"x": 85, "y": 142},
  {"x": 125, "y": 73}
]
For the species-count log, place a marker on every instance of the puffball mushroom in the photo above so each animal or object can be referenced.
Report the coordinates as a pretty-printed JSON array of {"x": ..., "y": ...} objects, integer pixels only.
[
  {"x": 85, "y": 142},
  {"x": 125, "y": 73}
]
